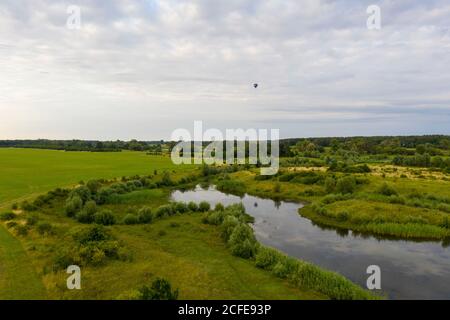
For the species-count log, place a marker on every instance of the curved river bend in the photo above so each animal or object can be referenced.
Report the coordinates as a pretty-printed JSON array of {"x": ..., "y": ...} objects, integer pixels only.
[{"x": 409, "y": 270}]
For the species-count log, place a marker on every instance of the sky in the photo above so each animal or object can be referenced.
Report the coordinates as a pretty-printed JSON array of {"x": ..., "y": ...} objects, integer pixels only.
[{"x": 143, "y": 68}]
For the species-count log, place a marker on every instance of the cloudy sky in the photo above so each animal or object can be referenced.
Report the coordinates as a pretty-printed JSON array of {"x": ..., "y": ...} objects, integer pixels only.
[{"x": 142, "y": 68}]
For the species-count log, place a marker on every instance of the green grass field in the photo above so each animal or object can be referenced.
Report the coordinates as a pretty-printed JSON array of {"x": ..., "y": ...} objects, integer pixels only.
[
  {"x": 28, "y": 172},
  {"x": 182, "y": 249}
]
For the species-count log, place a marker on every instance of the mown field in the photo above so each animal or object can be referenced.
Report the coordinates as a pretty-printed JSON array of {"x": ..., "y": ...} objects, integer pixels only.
[{"x": 28, "y": 172}]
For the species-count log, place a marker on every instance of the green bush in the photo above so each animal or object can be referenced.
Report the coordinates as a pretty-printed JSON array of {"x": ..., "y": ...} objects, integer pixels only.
[
  {"x": 164, "y": 211},
  {"x": 330, "y": 184},
  {"x": 346, "y": 185},
  {"x": 7, "y": 216},
  {"x": 130, "y": 219},
  {"x": 84, "y": 217},
  {"x": 22, "y": 230},
  {"x": 231, "y": 186},
  {"x": 219, "y": 207},
  {"x": 228, "y": 225},
  {"x": 82, "y": 192},
  {"x": 193, "y": 206},
  {"x": 180, "y": 207},
  {"x": 204, "y": 206},
  {"x": 44, "y": 228},
  {"x": 11, "y": 224},
  {"x": 266, "y": 258},
  {"x": 387, "y": 190},
  {"x": 73, "y": 205},
  {"x": 31, "y": 220},
  {"x": 160, "y": 289},
  {"x": 242, "y": 241},
  {"x": 343, "y": 216},
  {"x": 92, "y": 234},
  {"x": 284, "y": 267},
  {"x": 145, "y": 215},
  {"x": 214, "y": 218},
  {"x": 90, "y": 207},
  {"x": 104, "y": 217}
]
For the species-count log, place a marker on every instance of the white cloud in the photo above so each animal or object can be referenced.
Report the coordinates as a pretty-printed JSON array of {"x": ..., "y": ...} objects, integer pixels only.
[{"x": 140, "y": 69}]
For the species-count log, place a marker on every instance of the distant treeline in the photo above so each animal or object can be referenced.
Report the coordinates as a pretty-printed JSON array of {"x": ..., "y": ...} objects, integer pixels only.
[
  {"x": 85, "y": 145},
  {"x": 394, "y": 145},
  {"x": 398, "y": 145}
]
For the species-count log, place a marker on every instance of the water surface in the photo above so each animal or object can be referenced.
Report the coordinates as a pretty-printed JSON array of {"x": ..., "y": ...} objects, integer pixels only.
[{"x": 409, "y": 270}]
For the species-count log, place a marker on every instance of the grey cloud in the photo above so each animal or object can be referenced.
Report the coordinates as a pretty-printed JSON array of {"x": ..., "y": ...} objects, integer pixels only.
[{"x": 145, "y": 67}]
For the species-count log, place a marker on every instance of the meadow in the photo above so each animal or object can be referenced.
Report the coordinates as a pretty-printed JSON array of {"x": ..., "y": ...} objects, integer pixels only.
[
  {"x": 30, "y": 172},
  {"x": 51, "y": 199}
]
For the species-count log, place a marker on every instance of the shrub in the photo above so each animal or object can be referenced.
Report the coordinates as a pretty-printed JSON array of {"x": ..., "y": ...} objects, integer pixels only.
[
  {"x": 219, "y": 207},
  {"x": 160, "y": 289},
  {"x": 45, "y": 228},
  {"x": 93, "y": 185},
  {"x": 82, "y": 191},
  {"x": 7, "y": 216},
  {"x": 204, "y": 206},
  {"x": 15, "y": 206},
  {"x": 285, "y": 266},
  {"x": 21, "y": 230},
  {"x": 228, "y": 225},
  {"x": 180, "y": 207},
  {"x": 163, "y": 211},
  {"x": 104, "y": 217},
  {"x": 346, "y": 184},
  {"x": 242, "y": 241},
  {"x": 90, "y": 207},
  {"x": 31, "y": 220},
  {"x": 26, "y": 206},
  {"x": 231, "y": 186},
  {"x": 343, "y": 216},
  {"x": 445, "y": 223},
  {"x": 73, "y": 205},
  {"x": 11, "y": 224},
  {"x": 166, "y": 180},
  {"x": 130, "y": 219},
  {"x": 92, "y": 234},
  {"x": 214, "y": 218},
  {"x": 84, "y": 217},
  {"x": 330, "y": 184},
  {"x": 387, "y": 190},
  {"x": 193, "y": 206},
  {"x": 266, "y": 258},
  {"x": 145, "y": 215}
]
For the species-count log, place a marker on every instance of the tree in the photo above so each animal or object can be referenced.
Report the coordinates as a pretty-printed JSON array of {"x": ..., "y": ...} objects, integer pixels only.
[{"x": 160, "y": 289}]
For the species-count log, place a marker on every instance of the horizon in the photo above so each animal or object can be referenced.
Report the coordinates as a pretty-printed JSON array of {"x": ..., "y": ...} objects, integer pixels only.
[{"x": 281, "y": 139}]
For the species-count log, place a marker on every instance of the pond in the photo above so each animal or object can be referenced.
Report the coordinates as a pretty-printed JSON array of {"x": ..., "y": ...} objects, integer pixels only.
[{"x": 409, "y": 270}]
